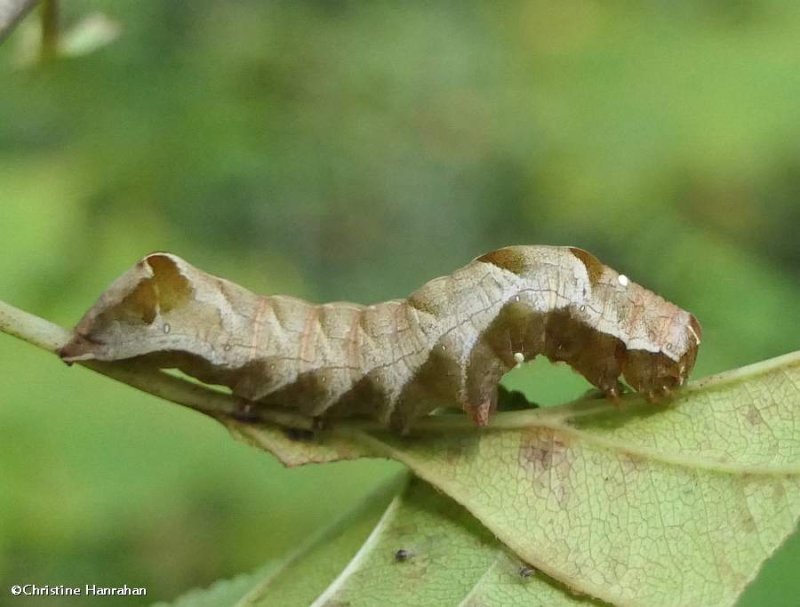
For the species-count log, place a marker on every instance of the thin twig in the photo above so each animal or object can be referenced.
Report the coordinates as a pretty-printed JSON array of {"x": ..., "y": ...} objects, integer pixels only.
[
  {"x": 50, "y": 337},
  {"x": 50, "y": 30},
  {"x": 11, "y": 13}
]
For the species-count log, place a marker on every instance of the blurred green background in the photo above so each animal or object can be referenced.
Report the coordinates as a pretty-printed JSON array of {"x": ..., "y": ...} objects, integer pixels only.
[{"x": 353, "y": 150}]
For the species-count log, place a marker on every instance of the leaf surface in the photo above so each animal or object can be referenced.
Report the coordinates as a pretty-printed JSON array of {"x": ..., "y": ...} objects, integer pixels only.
[
  {"x": 306, "y": 574},
  {"x": 303, "y": 574},
  {"x": 678, "y": 506},
  {"x": 425, "y": 550},
  {"x": 221, "y": 593}
]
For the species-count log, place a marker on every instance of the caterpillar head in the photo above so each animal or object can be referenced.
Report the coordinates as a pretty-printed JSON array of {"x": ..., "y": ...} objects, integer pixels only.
[{"x": 656, "y": 373}]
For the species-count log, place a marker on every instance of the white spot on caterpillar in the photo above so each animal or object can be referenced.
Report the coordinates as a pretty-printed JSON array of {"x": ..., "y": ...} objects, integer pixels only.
[
  {"x": 519, "y": 358},
  {"x": 166, "y": 327},
  {"x": 623, "y": 280}
]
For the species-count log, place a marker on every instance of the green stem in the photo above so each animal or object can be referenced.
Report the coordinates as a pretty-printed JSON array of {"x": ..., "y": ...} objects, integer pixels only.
[{"x": 50, "y": 30}]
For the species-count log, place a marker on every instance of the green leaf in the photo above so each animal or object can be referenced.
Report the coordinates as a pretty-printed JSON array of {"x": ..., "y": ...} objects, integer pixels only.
[
  {"x": 655, "y": 506},
  {"x": 424, "y": 549},
  {"x": 222, "y": 593},
  {"x": 427, "y": 550},
  {"x": 296, "y": 450},
  {"x": 306, "y": 573}
]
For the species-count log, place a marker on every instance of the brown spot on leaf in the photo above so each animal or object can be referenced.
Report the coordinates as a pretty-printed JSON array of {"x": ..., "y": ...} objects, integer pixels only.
[
  {"x": 753, "y": 416},
  {"x": 548, "y": 460},
  {"x": 748, "y": 522},
  {"x": 631, "y": 463},
  {"x": 778, "y": 495}
]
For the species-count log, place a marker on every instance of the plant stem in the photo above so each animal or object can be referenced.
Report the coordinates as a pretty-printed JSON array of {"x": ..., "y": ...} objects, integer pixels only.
[
  {"x": 50, "y": 337},
  {"x": 11, "y": 13},
  {"x": 50, "y": 30},
  {"x": 33, "y": 329}
]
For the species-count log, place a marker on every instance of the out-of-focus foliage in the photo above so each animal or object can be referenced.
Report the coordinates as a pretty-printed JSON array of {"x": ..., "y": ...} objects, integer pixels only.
[{"x": 344, "y": 150}]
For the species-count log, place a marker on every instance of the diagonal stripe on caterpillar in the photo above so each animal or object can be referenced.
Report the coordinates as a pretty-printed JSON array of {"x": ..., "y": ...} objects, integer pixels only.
[{"x": 447, "y": 344}]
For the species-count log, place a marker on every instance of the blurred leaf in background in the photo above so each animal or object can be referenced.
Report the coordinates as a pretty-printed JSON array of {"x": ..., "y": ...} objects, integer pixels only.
[{"x": 343, "y": 150}]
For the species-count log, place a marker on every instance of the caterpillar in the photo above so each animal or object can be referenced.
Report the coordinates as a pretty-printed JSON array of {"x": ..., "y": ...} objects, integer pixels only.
[{"x": 446, "y": 345}]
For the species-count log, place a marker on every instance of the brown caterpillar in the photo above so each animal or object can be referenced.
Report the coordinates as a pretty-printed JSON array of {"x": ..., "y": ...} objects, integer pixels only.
[{"x": 448, "y": 344}]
